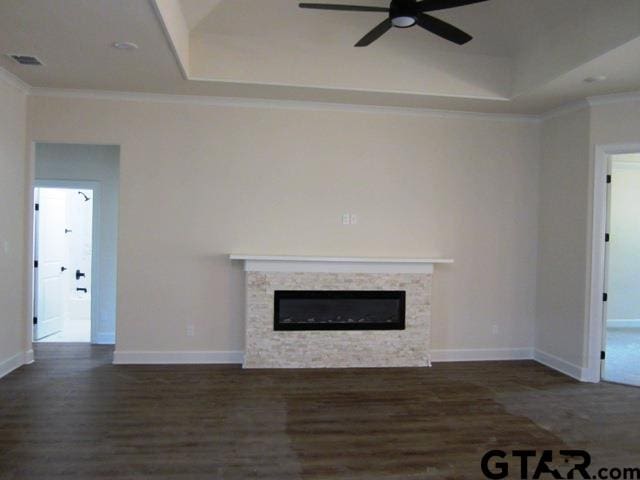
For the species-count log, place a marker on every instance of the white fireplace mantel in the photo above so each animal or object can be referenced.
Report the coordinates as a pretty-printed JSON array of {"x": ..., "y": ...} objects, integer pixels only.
[{"x": 284, "y": 263}]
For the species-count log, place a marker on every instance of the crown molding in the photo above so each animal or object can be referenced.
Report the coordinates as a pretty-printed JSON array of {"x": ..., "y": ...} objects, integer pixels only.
[
  {"x": 273, "y": 103},
  {"x": 614, "y": 98},
  {"x": 14, "y": 81},
  {"x": 564, "y": 110},
  {"x": 262, "y": 103}
]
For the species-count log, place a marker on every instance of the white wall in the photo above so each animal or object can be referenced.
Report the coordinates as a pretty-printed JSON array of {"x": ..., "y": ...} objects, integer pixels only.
[
  {"x": 201, "y": 181},
  {"x": 98, "y": 163},
  {"x": 12, "y": 225},
  {"x": 563, "y": 237}
]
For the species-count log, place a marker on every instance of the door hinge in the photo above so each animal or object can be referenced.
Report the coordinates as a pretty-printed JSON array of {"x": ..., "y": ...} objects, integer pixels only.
[
  {"x": 604, "y": 297},
  {"x": 35, "y": 264},
  {"x": 35, "y": 320},
  {"x": 607, "y": 237},
  {"x": 602, "y": 355},
  {"x": 608, "y": 178},
  {"x": 37, "y": 207}
]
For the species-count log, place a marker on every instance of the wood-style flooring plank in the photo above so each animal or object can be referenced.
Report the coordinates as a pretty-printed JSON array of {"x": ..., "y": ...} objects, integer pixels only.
[{"x": 72, "y": 414}]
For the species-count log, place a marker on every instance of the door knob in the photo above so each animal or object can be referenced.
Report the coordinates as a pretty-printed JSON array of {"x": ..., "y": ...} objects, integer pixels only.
[
  {"x": 63, "y": 269},
  {"x": 79, "y": 274}
]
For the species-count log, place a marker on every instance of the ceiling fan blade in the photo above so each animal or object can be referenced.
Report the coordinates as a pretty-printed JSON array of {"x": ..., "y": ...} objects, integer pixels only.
[
  {"x": 346, "y": 8},
  {"x": 433, "y": 5},
  {"x": 375, "y": 34},
  {"x": 442, "y": 29}
]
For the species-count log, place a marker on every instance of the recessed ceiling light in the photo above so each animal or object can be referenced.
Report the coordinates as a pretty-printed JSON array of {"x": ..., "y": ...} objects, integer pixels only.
[
  {"x": 124, "y": 45},
  {"x": 595, "y": 79}
]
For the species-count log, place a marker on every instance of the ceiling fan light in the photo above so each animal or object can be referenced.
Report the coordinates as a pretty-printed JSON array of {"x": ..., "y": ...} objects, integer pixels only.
[{"x": 403, "y": 21}]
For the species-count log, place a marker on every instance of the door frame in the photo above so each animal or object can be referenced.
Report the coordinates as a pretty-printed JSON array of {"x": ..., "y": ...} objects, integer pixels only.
[
  {"x": 95, "y": 243},
  {"x": 599, "y": 219}
]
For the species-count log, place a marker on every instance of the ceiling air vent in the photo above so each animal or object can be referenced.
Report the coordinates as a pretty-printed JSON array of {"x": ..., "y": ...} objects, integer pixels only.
[{"x": 26, "y": 59}]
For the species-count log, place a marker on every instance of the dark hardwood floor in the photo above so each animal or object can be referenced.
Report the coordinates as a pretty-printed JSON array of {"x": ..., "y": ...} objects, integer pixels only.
[{"x": 74, "y": 415}]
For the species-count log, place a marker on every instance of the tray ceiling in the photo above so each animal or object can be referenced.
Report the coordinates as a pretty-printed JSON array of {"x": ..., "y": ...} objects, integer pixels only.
[{"x": 526, "y": 57}]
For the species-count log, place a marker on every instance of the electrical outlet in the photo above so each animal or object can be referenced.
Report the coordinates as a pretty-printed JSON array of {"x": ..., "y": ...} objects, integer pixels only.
[
  {"x": 191, "y": 331},
  {"x": 496, "y": 329},
  {"x": 6, "y": 247},
  {"x": 346, "y": 219},
  {"x": 354, "y": 219}
]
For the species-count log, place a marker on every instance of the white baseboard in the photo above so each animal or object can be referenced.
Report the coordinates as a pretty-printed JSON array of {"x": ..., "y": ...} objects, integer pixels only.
[
  {"x": 11, "y": 363},
  {"x": 213, "y": 357},
  {"x": 453, "y": 355},
  {"x": 28, "y": 357},
  {"x": 623, "y": 323},
  {"x": 560, "y": 365},
  {"x": 481, "y": 354},
  {"x": 472, "y": 355},
  {"x": 160, "y": 358},
  {"x": 105, "y": 339},
  {"x": 16, "y": 361}
]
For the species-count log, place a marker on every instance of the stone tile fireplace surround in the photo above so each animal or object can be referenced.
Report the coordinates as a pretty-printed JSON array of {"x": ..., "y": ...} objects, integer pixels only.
[{"x": 268, "y": 348}]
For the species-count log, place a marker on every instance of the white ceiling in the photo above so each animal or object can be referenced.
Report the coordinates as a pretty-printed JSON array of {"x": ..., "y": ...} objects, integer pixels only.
[
  {"x": 195, "y": 11},
  {"x": 527, "y": 56},
  {"x": 499, "y": 27}
]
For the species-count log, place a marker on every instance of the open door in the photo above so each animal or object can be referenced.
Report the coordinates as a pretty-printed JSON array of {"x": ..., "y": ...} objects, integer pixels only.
[
  {"x": 621, "y": 313},
  {"x": 50, "y": 256},
  {"x": 607, "y": 254}
]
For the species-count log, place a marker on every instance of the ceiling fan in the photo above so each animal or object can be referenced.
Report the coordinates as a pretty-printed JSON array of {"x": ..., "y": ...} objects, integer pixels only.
[{"x": 405, "y": 14}]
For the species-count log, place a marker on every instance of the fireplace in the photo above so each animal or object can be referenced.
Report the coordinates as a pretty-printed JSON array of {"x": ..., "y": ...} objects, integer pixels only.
[
  {"x": 339, "y": 310},
  {"x": 407, "y": 280}
]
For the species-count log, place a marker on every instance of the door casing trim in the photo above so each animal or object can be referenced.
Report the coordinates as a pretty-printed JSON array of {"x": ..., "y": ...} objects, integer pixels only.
[{"x": 595, "y": 316}]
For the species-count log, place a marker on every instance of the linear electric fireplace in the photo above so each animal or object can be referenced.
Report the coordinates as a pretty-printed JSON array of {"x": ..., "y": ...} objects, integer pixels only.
[{"x": 339, "y": 310}]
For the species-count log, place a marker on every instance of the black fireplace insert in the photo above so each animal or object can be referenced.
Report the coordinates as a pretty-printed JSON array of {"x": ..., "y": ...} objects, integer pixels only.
[{"x": 339, "y": 310}]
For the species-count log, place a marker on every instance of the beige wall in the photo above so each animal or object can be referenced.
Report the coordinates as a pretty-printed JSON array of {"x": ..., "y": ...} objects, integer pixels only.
[
  {"x": 12, "y": 224},
  {"x": 563, "y": 236},
  {"x": 566, "y": 208},
  {"x": 615, "y": 123},
  {"x": 199, "y": 182}
]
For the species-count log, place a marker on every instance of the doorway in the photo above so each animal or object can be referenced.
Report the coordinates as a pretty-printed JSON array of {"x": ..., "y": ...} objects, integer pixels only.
[
  {"x": 63, "y": 253},
  {"x": 621, "y": 329},
  {"x": 85, "y": 178}
]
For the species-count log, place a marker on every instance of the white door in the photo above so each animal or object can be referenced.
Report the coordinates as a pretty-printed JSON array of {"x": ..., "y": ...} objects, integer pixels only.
[
  {"x": 607, "y": 254},
  {"x": 50, "y": 254}
]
